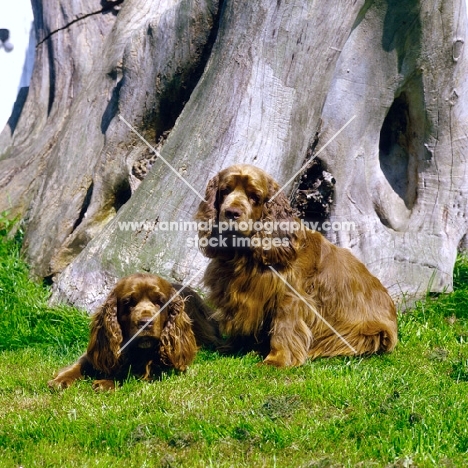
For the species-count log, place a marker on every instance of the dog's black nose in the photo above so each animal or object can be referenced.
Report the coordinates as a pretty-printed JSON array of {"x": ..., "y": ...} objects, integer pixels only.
[
  {"x": 232, "y": 213},
  {"x": 144, "y": 323}
]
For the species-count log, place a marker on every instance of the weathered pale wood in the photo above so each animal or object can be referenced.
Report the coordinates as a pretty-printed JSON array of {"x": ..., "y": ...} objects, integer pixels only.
[
  {"x": 263, "y": 82},
  {"x": 149, "y": 52},
  {"x": 259, "y": 101},
  {"x": 401, "y": 170},
  {"x": 64, "y": 60}
]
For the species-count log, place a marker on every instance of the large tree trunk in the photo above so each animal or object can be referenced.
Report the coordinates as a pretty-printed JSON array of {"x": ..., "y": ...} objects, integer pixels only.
[
  {"x": 402, "y": 176},
  {"x": 217, "y": 82}
]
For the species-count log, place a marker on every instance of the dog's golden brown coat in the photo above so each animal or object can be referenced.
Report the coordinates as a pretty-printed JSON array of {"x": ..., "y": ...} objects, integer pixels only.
[
  {"x": 138, "y": 330},
  {"x": 278, "y": 288}
]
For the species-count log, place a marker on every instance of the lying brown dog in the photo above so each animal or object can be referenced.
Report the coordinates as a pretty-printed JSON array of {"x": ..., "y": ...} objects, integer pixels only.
[{"x": 143, "y": 327}]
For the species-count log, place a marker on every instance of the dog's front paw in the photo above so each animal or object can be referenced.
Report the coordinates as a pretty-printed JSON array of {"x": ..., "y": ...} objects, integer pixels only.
[
  {"x": 277, "y": 359},
  {"x": 59, "y": 383},
  {"x": 282, "y": 358},
  {"x": 103, "y": 385}
]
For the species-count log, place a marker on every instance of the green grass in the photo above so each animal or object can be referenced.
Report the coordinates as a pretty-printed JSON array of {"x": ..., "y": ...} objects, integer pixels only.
[
  {"x": 25, "y": 318},
  {"x": 405, "y": 409}
]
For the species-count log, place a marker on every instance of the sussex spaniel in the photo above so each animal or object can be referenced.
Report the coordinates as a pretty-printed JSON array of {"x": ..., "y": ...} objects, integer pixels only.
[
  {"x": 144, "y": 326},
  {"x": 277, "y": 283}
]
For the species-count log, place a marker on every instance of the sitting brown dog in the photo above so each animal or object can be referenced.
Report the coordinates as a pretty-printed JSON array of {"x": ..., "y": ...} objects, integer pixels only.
[{"x": 290, "y": 291}]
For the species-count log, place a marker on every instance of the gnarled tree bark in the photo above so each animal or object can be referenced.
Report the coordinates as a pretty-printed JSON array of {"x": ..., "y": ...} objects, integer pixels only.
[{"x": 218, "y": 82}]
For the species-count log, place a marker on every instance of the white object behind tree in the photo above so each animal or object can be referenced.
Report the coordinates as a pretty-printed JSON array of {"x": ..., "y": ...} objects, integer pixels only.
[{"x": 16, "y": 55}]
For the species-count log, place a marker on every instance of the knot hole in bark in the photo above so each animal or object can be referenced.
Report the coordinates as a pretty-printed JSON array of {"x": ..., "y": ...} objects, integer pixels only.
[
  {"x": 397, "y": 158},
  {"x": 315, "y": 193}
]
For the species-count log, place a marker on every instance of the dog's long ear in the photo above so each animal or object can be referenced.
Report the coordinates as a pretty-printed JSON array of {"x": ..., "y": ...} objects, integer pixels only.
[
  {"x": 105, "y": 336},
  {"x": 277, "y": 239},
  {"x": 207, "y": 217},
  {"x": 178, "y": 345}
]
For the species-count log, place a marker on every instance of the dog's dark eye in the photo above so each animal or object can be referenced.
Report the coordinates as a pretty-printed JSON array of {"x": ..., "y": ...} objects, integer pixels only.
[
  {"x": 255, "y": 198},
  {"x": 128, "y": 301},
  {"x": 223, "y": 191},
  {"x": 157, "y": 299}
]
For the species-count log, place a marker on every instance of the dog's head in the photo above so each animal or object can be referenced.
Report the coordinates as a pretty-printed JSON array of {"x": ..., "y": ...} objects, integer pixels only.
[
  {"x": 246, "y": 205},
  {"x": 142, "y": 312}
]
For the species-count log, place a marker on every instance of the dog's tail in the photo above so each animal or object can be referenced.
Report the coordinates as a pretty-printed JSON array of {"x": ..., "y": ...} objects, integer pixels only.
[
  {"x": 363, "y": 339},
  {"x": 378, "y": 337}
]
